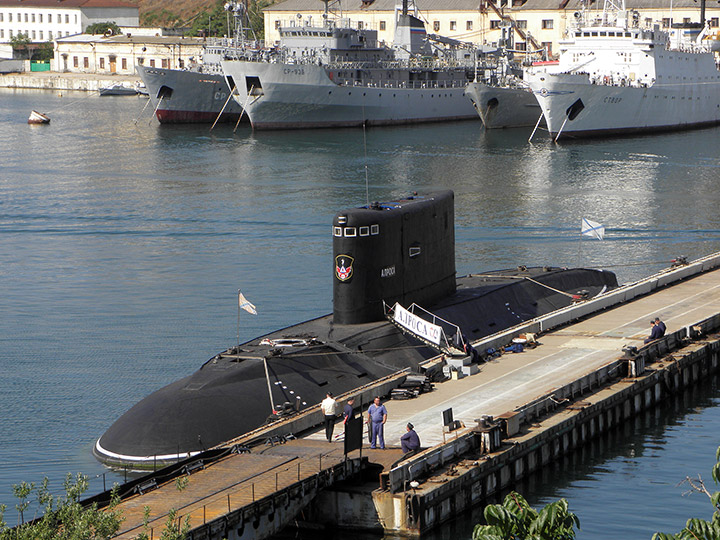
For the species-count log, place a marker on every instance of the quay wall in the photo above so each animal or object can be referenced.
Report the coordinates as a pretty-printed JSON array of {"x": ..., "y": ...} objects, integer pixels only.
[
  {"x": 49, "y": 80},
  {"x": 483, "y": 462}
]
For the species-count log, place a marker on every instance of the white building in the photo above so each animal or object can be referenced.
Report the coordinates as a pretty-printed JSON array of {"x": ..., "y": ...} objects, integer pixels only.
[
  {"x": 46, "y": 20},
  {"x": 85, "y": 53}
]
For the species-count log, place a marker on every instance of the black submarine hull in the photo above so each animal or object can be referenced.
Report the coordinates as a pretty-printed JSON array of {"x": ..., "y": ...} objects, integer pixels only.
[{"x": 401, "y": 251}]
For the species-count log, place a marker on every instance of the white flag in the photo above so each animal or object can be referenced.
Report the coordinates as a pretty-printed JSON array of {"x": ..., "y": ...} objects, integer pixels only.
[
  {"x": 244, "y": 304},
  {"x": 590, "y": 228}
]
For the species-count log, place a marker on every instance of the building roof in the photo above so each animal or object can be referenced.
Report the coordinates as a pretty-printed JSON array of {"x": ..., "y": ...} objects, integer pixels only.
[
  {"x": 124, "y": 38},
  {"x": 597, "y": 5},
  {"x": 66, "y": 4}
]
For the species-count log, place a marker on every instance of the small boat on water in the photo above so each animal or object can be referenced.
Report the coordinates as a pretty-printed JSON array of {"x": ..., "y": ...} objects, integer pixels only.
[
  {"x": 38, "y": 118},
  {"x": 119, "y": 89}
]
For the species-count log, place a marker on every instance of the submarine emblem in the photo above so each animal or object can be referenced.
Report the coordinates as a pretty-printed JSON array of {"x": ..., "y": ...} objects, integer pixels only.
[{"x": 343, "y": 267}]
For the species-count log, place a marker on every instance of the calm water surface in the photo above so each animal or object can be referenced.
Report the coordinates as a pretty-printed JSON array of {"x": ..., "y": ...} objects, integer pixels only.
[{"x": 123, "y": 243}]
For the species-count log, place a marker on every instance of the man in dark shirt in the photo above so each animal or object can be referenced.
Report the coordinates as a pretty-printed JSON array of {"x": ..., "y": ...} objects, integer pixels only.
[
  {"x": 661, "y": 325},
  {"x": 655, "y": 333},
  {"x": 348, "y": 410},
  {"x": 410, "y": 442}
]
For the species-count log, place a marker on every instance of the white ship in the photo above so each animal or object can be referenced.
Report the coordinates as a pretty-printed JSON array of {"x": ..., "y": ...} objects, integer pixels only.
[
  {"x": 615, "y": 77},
  {"x": 333, "y": 75}
]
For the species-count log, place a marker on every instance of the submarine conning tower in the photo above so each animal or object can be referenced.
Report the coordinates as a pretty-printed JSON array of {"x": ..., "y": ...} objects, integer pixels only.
[{"x": 398, "y": 251}]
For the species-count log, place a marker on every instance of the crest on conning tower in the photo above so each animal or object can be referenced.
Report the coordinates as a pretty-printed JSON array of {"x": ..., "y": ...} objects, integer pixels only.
[{"x": 343, "y": 267}]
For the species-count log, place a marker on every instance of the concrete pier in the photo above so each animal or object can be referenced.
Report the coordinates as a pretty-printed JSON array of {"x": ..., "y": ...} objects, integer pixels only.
[
  {"x": 588, "y": 374},
  {"x": 51, "y": 80}
]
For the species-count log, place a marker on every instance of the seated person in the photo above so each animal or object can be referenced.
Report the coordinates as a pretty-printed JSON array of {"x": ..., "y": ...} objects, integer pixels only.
[
  {"x": 661, "y": 325},
  {"x": 655, "y": 333},
  {"x": 410, "y": 442}
]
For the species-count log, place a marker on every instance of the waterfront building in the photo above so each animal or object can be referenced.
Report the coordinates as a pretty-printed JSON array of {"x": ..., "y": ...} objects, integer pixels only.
[
  {"x": 535, "y": 23},
  {"x": 120, "y": 54},
  {"x": 47, "y": 20}
]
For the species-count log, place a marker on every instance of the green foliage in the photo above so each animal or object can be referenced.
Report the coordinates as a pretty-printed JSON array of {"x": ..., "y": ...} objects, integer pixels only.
[
  {"x": 515, "y": 519},
  {"x": 218, "y": 22},
  {"x": 44, "y": 52},
  {"x": 103, "y": 28},
  {"x": 20, "y": 41},
  {"x": 63, "y": 517},
  {"x": 700, "y": 529},
  {"x": 181, "y": 482}
]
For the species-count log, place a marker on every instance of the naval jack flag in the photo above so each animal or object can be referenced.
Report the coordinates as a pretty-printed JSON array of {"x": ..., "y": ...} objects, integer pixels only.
[
  {"x": 593, "y": 229},
  {"x": 244, "y": 304}
]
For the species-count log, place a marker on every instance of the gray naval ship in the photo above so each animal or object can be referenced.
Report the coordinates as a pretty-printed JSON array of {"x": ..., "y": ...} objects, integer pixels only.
[
  {"x": 199, "y": 93},
  {"x": 333, "y": 75},
  {"x": 399, "y": 253}
]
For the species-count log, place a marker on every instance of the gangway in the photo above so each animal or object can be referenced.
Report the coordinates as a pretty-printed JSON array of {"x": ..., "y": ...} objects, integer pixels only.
[{"x": 435, "y": 332}]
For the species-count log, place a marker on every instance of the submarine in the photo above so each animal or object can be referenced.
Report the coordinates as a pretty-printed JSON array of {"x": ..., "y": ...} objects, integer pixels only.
[{"x": 400, "y": 252}]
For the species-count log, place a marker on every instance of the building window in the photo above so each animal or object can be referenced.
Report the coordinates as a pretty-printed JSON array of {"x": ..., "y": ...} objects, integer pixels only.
[
  {"x": 686, "y": 20},
  {"x": 33, "y": 35},
  {"x": 33, "y": 17},
  {"x": 1, "y": 17},
  {"x": 164, "y": 63},
  {"x": 49, "y": 17},
  {"x": 547, "y": 45},
  {"x": 495, "y": 23},
  {"x": 124, "y": 63},
  {"x": 714, "y": 22},
  {"x": 9, "y": 17},
  {"x": 468, "y": 25},
  {"x": 522, "y": 25},
  {"x": 26, "y": 17},
  {"x": 50, "y": 36},
  {"x": 2, "y": 33},
  {"x": 86, "y": 62},
  {"x": 666, "y": 22},
  {"x": 436, "y": 26},
  {"x": 382, "y": 25},
  {"x": 41, "y": 35},
  {"x": 547, "y": 24},
  {"x": 102, "y": 63},
  {"x": 277, "y": 25},
  {"x": 40, "y": 17},
  {"x": 152, "y": 62},
  {"x": 75, "y": 61},
  {"x": 67, "y": 19},
  {"x": 76, "y": 18},
  {"x": 521, "y": 46},
  {"x": 453, "y": 25}
]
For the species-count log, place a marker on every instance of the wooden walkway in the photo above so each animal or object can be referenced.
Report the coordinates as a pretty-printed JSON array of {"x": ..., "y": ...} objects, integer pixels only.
[{"x": 234, "y": 482}]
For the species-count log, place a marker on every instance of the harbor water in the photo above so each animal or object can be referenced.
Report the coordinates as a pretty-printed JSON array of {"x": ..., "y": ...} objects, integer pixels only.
[{"x": 123, "y": 244}]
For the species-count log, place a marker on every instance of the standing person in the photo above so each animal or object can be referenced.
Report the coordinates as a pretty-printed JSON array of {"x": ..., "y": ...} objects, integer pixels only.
[
  {"x": 661, "y": 325},
  {"x": 409, "y": 441},
  {"x": 329, "y": 406},
  {"x": 348, "y": 410},
  {"x": 377, "y": 416}
]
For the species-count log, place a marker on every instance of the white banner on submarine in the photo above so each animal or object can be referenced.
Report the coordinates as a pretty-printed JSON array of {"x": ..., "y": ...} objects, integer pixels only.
[{"x": 416, "y": 325}]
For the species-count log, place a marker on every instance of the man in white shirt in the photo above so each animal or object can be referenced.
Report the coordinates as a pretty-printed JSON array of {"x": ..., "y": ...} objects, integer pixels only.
[{"x": 328, "y": 407}]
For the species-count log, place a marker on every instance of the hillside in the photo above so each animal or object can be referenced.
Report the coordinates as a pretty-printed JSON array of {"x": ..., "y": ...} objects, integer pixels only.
[{"x": 178, "y": 12}]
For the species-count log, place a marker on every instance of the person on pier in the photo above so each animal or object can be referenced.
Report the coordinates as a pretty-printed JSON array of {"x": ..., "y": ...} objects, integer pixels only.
[
  {"x": 377, "y": 416},
  {"x": 329, "y": 407},
  {"x": 409, "y": 441}
]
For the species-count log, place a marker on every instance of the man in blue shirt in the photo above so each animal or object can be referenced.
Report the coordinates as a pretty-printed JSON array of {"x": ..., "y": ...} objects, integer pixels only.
[
  {"x": 655, "y": 333},
  {"x": 410, "y": 442},
  {"x": 348, "y": 410},
  {"x": 377, "y": 416}
]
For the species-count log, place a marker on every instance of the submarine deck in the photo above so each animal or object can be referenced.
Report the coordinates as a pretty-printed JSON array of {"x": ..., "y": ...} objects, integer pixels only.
[{"x": 503, "y": 385}]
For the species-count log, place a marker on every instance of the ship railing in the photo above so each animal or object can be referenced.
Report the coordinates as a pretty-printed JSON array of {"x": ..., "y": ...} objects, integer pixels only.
[{"x": 393, "y": 83}]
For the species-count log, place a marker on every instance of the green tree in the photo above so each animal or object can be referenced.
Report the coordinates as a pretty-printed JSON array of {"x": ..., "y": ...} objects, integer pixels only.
[
  {"x": 700, "y": 529},
  {"x": 515, "y": 519},
  {"x": 21, "y": 43},
  {"x": 63, "y": 517},
  {"x": 45, "y": 51},
  {"x": 103, "y": 28}
]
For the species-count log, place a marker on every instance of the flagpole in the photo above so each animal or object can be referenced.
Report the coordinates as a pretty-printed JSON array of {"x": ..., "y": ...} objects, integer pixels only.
[
  {"x": 267, "y": 378},
  {"x": 238, "y": 324}
]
